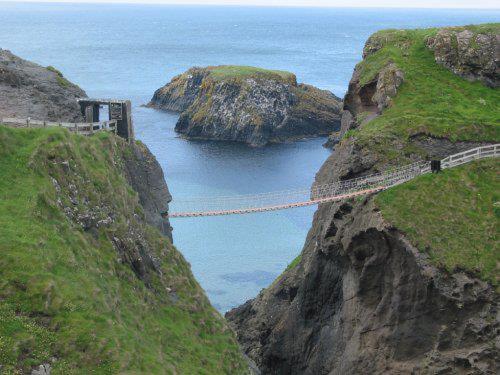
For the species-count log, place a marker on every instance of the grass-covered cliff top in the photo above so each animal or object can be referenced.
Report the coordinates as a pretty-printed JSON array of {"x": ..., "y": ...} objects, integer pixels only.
[
  {"x": 454, "y": 216},
  {"x": 242, "y": 72},
  {"x": 70, "y": 297},
  {"x": 432, "y": 100}
]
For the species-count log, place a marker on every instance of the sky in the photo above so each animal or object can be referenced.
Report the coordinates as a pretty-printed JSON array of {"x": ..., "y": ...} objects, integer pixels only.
[{"x": 478, "y": 4}]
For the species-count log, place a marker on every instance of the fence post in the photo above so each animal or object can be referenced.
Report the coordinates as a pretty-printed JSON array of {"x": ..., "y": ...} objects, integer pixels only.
[
  {"x": 435, "y": 166},
  {"x": 28, "y": 122},
  {"x": 76, "y": 128}
]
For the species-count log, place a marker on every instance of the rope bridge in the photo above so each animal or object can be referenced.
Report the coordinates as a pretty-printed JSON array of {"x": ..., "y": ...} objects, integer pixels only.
[{"x": 336, "y": 191}]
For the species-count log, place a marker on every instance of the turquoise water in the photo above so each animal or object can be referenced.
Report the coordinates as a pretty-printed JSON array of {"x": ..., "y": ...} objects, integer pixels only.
[{"x": 127, "y": 51}]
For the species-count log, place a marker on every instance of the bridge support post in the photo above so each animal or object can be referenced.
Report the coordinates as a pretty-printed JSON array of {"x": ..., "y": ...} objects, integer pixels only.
[
  {"x": 124, "y": 125},
  {"x": 95, "y": 113},
  {"x": 118, "y": 110}
]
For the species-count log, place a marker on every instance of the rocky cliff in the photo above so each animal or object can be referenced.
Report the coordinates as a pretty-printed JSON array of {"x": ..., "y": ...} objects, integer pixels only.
[
  {"x": 404, "y": 281},
  {"x": 89, "y": 279},
  {"x": 471, "y": 53},
  {"x": 145, "y": 176},
  {"x": 247, "y": 104},
  {"x": 30, "y": 90}
]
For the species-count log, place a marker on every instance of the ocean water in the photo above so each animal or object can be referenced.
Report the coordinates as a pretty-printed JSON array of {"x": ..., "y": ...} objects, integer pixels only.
[{"x": 127, "y": 51}]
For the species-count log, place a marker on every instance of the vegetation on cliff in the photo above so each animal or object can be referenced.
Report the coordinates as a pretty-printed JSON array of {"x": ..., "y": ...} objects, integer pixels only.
[
  {"x": 404, "y": 281},
  {"x": 247, "y": 104},
  {"x": 224, "y": 72},
  {"x": 453, "y": 216},
  {"x": 450, "y": 216},
  {"x": 431, "y": 101},
  {"x": 85, "y": 284}
]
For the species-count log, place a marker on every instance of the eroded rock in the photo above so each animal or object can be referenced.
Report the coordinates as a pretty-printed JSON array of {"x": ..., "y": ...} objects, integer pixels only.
[
  {"x": 363, "y": 299},
  {"x": 30, "y": 90},
  {"x": 472, "y": 55},
  {"x": 255, "y": 108}
]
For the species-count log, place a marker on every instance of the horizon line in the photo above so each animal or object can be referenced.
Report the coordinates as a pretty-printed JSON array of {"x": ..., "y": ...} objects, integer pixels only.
[{"x": 218, "y": 4}]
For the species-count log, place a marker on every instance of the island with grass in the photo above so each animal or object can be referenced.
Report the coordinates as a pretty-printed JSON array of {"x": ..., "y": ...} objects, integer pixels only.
[
  {"x": 407, "y": 280},
  {"x": 247, "y": 104}
]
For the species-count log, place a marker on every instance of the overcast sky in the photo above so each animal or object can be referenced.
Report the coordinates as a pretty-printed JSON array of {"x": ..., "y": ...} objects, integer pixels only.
[{"x": 322, "y": 3}]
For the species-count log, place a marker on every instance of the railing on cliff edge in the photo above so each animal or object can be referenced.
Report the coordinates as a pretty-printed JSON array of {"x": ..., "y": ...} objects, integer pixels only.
[
  {"x": 84, "y": 128},
  {"x": 339, "y": 190}
]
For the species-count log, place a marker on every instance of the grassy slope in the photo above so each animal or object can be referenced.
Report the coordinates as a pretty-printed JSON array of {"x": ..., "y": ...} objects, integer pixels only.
[
  {"x": 63, "y": 292},
  {"x": 240, "y": 72},
  {"x": 454, "y": 216},
  {"x": 432, "y": 99},
  {"x": 200, "y": 111}
]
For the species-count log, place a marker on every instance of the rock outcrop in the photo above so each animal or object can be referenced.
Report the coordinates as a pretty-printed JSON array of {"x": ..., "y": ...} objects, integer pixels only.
[
  {"x": 367, "y": 99},
  {"x": 97, "y": 212},
  {"x": 474, "y": 55},
  {"x": 249, "y": 105},
  {"x": 30, "y": 90},
  {"x": 363, "y": 299},
  {"x": 146, "y": 177}
]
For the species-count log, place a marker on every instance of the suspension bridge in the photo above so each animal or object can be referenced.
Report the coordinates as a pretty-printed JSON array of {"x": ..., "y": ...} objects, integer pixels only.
[{"x": 336, "y": 191}]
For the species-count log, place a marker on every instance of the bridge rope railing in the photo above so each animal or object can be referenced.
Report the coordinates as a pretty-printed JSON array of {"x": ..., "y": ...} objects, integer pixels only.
[{"x": 240, "y": 204}]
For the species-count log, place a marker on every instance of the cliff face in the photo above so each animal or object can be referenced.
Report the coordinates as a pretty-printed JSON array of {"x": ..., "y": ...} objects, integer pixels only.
[
  {"x": 472, "y": 54},
  {"x": 373, "y": 291},
  {"x": 90, "y": 281},
  {"x": 144, "y": 174},
  {"x": 247, "y": 105},
  {"x": 30, "y": 90},
  {"x": 88, "y": 285}
]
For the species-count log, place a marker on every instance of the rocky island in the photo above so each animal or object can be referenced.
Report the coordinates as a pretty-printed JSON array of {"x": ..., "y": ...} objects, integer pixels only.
[
  {"x": 405, "y": 281},
  {"x": 246, "y": 104}
]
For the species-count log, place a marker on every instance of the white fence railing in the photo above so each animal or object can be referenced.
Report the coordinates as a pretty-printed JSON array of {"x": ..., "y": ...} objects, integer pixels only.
[
  {"x": 85, "y": 128},
  {"x": 469, "y": 155},
  {"x": 237, "y": 204}
]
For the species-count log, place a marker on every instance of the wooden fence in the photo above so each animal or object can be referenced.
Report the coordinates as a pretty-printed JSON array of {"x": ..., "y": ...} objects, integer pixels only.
[{"x": 84, "y": 128}]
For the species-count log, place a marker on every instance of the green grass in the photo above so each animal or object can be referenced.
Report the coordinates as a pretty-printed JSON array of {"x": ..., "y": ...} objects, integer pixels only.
[
  {"x": 453, "y": 216},
  {"x": 59, "y": 77},
  {"x": 240, "y": 72},
  {"x": 432, "y": 100},
  {"x": 294, "y": 263},
  {"x": 65, "y": 296}
]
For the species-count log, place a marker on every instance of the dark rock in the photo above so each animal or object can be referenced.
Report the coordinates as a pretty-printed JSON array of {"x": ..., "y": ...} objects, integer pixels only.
[
  {"x": 363, "y": 299},
  {"x": 255, "y": 108},
  {"x": 145, "y": 175},
  {"x": 44, "y": 369},
  {"x": 365, "y": 98},
  {"x": 366, "y": 301},
  {"x": 472, "y": 55},
  {"x": 30, "y": 90},
  {"x": 181, "y": 92}
]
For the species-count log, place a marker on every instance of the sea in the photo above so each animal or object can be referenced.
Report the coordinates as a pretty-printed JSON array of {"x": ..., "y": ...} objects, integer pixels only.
[{"x": 128, "y": 51}]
